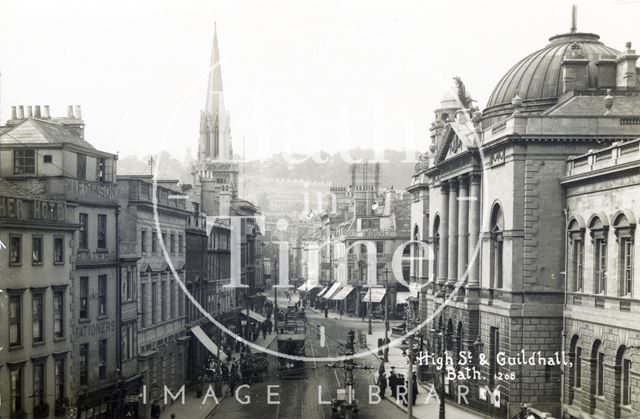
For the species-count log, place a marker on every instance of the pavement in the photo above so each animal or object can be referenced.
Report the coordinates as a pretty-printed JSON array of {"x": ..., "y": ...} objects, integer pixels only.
[
  {"x": 194, "y": 407},
  {"x": 427, "y": 403},
  {"x": 309, "y": 397}
]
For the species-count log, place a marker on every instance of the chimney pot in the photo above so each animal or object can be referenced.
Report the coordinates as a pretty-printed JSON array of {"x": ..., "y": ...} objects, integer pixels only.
[
  {"x": 78, "y": 112},
  {"x": 20, "y": 112},
  {"x": 13, "y": 112},
  {"x": 45, "y": 112},
  {"x": 28, "y": 111},
  {"x": 70, "y": 111},
  {"x": 36, "y": 113}
]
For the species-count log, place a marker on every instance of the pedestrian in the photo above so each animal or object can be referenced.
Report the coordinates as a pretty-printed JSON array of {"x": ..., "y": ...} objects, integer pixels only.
[
  {"x": 263, "y": 327},
  {"x": 155, "y": 410},
  {"x": 173, "y": 416},
  {"x": 393, "y": 382},
  {"x": 326, "y": 312},
  {"x": 269, "y": 325},
  {"x": 382, "y": 384},
  {"x": 414, "y": 388},
  {"x": 341, "y": 312}
]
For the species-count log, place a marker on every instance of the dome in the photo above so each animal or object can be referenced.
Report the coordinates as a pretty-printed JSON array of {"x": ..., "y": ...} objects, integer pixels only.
[{"x": 537, "y": 78}]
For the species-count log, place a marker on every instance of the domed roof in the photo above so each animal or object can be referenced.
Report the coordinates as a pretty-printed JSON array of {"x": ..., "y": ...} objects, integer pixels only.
[{"x": 537, "y": 78}]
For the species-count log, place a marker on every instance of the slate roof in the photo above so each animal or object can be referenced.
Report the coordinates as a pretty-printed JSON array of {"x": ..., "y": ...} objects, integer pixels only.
[{"x": 34, "y": 131}]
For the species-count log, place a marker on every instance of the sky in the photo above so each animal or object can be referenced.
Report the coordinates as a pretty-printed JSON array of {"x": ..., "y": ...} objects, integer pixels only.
[{"x": 298, "y": 75}]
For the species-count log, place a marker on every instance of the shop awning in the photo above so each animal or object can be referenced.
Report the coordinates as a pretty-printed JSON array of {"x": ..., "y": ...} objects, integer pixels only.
[
  {"x": 374, "y": 295},
  {"x": 321, "y": 293},
  {"x": 402, "y": 297},
  {"x": 255, "y": 316},
  {"x": 207, "y": 342},
  {"x": 334, "y": 288},
  {"x": 342, "y": 294},
  {"x": 308, "y": 286}
]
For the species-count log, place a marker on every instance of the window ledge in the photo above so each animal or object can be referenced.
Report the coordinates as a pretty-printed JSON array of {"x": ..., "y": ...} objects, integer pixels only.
[
  {"x": 104, "y": 316},
  {"x": 36, "y": 264},
  {"x": 59, "y": 338},
  {"x": 15, "y": 347},
  {"x": 84, "y": 320},
  {"x": 38, "y": 343}
]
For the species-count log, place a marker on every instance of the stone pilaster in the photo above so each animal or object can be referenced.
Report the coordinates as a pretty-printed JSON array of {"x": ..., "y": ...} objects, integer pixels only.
[
  {"x": 473, "y": 258},
  {"x": 463, "y": 224},
  {"x": 452, "y": 269},
  {"x": 444, "y": 234}
]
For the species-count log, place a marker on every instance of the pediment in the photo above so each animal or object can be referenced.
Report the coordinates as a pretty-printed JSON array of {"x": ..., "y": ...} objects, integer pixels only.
[{"x": 457, "y": 140}]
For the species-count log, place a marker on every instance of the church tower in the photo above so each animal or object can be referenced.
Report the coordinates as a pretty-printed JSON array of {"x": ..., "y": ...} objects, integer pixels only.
[
  {"x": 215, "y": 132},
  {"x": 215, "y": 173}
]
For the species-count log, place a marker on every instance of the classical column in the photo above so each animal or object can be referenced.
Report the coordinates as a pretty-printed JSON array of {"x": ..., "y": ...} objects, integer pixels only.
[
  {"x": 452, "y": 270},
  {"x": 443, "y": 228},
  {"x": 474, "y": 231},
  {"x": 463, "y": 224}
]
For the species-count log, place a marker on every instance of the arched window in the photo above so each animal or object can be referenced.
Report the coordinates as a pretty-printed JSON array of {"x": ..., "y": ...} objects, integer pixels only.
[
  {"x": 597, "y": 368},
  {"x": 623, "y": 376},
  {"x": 416, "y": 252},
  {"x": 436, "y": 246},
  {"x": 599, "y": 230},
  {"x": 576, "y": 255},
  {"x": 497, "y": 246},
  {"x": 575, "y": 375},
  {"x": 625, "y": 229}
]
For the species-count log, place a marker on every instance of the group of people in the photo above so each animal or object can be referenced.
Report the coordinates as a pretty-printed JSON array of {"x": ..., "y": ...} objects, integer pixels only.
[{"x": 398, "y": 385}]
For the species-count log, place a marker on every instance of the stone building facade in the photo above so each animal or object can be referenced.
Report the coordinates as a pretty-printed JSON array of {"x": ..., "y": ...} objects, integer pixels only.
[
  {"x": 161, "y": 336},
  {"x": 37, "y": 235},
  {"x": 489, "y": 204},
  {"x": 49, "y": 156},
  {"x": 602, "y": 331}
]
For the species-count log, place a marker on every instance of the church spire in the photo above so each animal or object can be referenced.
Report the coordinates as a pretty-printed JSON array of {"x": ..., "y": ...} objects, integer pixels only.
[{"x": 214, "y": 102}]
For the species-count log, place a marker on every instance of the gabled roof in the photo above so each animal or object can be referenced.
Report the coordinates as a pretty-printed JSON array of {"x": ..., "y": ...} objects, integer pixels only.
[
  {"x": 37, "y": 131},
  {"x": 456, "y": 136}
]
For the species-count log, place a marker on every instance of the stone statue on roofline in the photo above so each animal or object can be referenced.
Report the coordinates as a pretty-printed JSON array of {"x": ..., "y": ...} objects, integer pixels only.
[{"x": 465, "y": 99}]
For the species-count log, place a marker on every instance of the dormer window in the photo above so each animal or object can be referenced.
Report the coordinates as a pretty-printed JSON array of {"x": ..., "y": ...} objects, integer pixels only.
[{"x": 24, "y": 162}]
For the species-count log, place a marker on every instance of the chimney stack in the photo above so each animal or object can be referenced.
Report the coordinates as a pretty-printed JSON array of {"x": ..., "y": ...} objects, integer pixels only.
[
  {"x": 36, "y": 113},
  {"x": 78, "y": 112},
  {"x": 20, "y": 112},
  {"x": 28, "y": 111},
  {"x": 70, "y": 111},
  {"x": 13, "y": 112},
  {"x": 45, "y": 112},
  {"x": 626, "y": 68}
]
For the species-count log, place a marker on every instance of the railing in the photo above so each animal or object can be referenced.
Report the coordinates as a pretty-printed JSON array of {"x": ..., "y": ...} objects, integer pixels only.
[
  {"x": 611, "y": 156},
  {"x": 142, "y": 191},
  {"x": 95, "y": 258},
  {"x": 371, "y": 233}
]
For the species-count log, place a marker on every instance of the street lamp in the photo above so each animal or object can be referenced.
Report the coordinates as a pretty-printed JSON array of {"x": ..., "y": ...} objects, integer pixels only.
[
  {"x": 386, "y": 315},
  {"x": 439, "y": 337}
]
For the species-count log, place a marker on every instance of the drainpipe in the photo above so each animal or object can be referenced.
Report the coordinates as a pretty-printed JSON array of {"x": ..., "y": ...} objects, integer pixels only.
[{"x": 564, "y": 309}]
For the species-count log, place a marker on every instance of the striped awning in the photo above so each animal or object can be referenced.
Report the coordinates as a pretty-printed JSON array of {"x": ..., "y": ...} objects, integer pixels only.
[
  {"x": 308, "y": 286},
  {"x": 334, "y": 288},
  {"x": 343, "y": 293},
  {"x": 207, "y": 342},
  {"x": 374, "y": 295},
  {"x": 321, "y": 293}
]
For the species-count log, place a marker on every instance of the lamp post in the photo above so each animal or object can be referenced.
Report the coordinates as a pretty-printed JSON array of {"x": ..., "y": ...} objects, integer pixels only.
[
  {"x": 386, "y": 316},
  {"x": 370, "y": 309},
  {"x": 219, "y": 335},
  {"x": 439, "y": 335}
]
